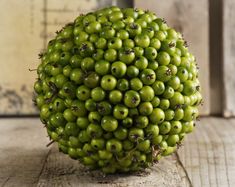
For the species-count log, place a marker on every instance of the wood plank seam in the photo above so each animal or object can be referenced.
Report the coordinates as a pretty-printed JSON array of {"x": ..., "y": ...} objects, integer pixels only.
[
  {"x": 216, "y": 164},
  {"x": 226, "y": 163},
  {"x": 43, "y": 166},
  {"x": 225, "y": 155},
  {"x": 217, "y": 143},
  {"x": 204, "y": 135},
  {"x": 184, "y": 169},
  {"x": 199, "y": 160},
  {"x": 5, "y": 182}
]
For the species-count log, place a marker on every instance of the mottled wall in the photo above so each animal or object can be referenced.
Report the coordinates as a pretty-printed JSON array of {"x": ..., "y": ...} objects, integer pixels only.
[
  {"x": 25, "y": 28},
  {"x": 27, "y": 25}
]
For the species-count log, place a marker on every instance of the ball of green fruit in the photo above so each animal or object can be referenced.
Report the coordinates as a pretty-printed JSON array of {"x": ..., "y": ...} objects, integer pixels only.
[{"x": 117, "y": 89}]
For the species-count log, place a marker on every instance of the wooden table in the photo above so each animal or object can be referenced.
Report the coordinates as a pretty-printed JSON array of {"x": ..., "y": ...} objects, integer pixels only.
[{"x": 207, "y": 158}]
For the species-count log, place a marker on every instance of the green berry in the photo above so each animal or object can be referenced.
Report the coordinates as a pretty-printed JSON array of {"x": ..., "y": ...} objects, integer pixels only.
[{"x": 117, "y": 89}]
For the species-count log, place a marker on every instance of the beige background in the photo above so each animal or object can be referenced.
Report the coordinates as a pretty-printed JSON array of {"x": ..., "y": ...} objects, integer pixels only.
[
  {"x": 21, "y": 39},
  {"x": 25, "y": 28},
  {"x": 27, "y": 25}
]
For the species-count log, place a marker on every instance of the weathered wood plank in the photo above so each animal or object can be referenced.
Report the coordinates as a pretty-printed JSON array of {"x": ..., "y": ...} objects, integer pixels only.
[
  {"x": 23, "y": 151},
  {"x": 190, "y": 18},
  {"x": 228, "y": 141},
  {"x": 229, "y": 57},
  {"x": 25, "y": 161},
  {"x": 207, "y": 158},
  {"x": 212, "y": 159},
  {"x": 60, "y": 170}
]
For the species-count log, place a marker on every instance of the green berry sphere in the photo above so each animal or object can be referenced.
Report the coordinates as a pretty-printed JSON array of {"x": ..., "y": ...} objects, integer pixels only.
[{"x": 117, "y": 89}]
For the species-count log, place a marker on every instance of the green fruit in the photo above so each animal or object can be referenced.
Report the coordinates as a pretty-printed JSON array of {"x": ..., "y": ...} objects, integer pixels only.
[
  {"x": 116, "y": 87},
  {"x": 131, "y": 99},
  {"x": 120, "y": 112},
  {"x": 98, "y": 94},
  {"x": 109, "y": 123},
  {"x": 108, "y": 82},
  {"x": 114, "y": 146},
  {"x": 157, "y": 116},
  {"x": 118, "y": 69}
]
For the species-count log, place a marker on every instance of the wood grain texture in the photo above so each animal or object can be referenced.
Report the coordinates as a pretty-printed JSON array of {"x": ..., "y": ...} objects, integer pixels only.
[
  {"x": 23, "y": 151},
  {"x": 209, "y": 154},
  {"x": 59, "y": 169},
  {"x": 229, "y": 57},
  {"x": 190, "y": 18},
  {"x": 207, "y": 159},
  {"x": 25, "y": 161}
]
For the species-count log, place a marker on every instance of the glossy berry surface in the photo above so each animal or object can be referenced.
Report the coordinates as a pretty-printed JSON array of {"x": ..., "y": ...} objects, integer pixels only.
[{"x": 117, "y": 89}]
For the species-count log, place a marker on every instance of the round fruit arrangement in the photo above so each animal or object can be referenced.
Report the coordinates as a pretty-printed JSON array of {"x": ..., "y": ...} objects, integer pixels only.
[{"x": 117, "y": 89}]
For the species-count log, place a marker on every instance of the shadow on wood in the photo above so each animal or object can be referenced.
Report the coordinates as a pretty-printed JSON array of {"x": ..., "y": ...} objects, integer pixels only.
[
  {"x": 206, "y": 159},
  {"x": 59, "y": 169}
]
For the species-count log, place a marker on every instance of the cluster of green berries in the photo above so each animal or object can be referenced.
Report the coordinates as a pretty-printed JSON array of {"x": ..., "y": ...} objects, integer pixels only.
[{"x": 118, "y": 89}]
